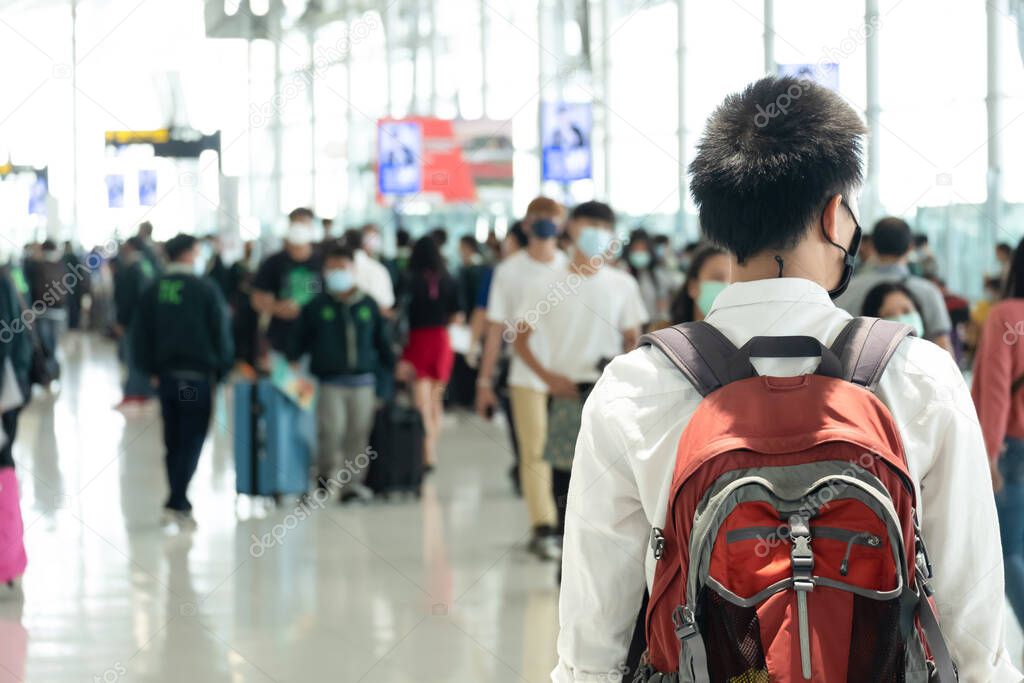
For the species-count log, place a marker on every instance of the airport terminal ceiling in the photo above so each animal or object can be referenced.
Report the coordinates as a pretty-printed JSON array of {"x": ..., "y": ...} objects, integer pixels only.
[{"x": 298, "y": 92}]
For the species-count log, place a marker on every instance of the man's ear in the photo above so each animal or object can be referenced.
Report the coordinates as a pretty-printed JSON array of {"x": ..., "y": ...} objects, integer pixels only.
[{"x": 830, "y": 218}]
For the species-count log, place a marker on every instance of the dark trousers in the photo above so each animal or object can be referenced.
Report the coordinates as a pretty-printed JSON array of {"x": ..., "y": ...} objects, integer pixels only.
[
  {"x": 1010, "y": 506},
  {"x": 48, "y": 330},
  {"x": 186, "y": 405},
  {"x": 560, "y": 491},
  {"x": 10, "y": 423}
]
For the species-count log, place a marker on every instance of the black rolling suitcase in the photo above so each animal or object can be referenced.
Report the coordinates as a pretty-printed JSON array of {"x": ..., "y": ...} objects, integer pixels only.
[{"x": 396, "y": 445}]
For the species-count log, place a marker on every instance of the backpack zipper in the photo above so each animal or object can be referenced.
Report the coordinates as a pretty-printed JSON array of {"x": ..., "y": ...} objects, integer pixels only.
[{"x": 863, "y": 538}]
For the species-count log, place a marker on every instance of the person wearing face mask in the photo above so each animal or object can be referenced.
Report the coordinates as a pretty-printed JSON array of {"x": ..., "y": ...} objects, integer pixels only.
[
  {"x": 288, "y": 279},
  {"x": 371, "y": 275},
  {"x": 709, "y": 274},
  {"x": 539, "y": 263},
  {"x": 779, "y": 194},
  {"x": 892, "y": 241},
  {"x": 181, "y": 335},
  {"x": 348, "y": 342},
  {"x": 642, "y": 262},
  {"x": 592, "y": 315},
  {"x": 999, "y": 398},
  {"x": 893, "y": 301}
]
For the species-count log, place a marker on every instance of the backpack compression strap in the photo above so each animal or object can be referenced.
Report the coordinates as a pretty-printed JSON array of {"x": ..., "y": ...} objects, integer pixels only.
[
  {"x": 699, "y": 350},
  {"x": 865, "y": 346}
]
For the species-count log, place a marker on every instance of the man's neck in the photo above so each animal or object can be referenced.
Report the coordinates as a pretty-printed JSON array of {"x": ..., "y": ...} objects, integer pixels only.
[
  {"x": 298, "y": 252},
  {"x": 541, "y": 250},
  {"x": 890, "y": 260},
  {"x": 802, "y": 262},
  {"x": 581, "y": 265}
]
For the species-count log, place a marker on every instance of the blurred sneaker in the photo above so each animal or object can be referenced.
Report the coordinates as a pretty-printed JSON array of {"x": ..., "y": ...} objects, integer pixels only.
[
  {"x": 182, "y": 519},
  {"x": 545, "y": 545},
  {"x": 356, "y": 493}
]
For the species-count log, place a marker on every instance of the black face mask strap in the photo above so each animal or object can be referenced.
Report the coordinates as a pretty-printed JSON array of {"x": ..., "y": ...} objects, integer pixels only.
[
  {"x": 849, "y": 254},
  {"x": 782, "y": 264}
]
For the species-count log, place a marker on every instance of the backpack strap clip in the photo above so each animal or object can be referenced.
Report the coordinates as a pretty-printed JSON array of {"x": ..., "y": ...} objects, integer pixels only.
[{"x": 657, "y": 543}]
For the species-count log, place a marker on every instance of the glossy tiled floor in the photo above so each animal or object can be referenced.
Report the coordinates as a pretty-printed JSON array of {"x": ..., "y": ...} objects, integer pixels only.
[
  {"x": 435, "y": 590},
  {"x": 439, "y": 590}
]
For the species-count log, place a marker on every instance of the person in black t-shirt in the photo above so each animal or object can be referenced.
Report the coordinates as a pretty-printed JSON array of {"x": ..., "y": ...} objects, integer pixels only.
[{"x": 288, "y": 279}]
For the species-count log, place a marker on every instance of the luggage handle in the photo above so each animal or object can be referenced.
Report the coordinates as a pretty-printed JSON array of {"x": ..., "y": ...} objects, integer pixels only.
[{"x": 740, "y": 366}]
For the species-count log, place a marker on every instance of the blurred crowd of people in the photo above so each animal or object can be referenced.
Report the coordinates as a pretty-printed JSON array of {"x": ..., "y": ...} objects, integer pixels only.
[{"x": 520, "y": 324}]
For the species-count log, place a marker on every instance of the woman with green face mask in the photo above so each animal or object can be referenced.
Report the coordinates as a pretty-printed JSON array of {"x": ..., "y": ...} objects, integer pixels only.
[
  {"x": 710, "y": 272},
  {"x": 893, "y": 301}
]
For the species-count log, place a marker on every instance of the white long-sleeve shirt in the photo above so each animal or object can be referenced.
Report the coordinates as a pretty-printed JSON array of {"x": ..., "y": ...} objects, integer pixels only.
[{"x": 626, "y": 452}]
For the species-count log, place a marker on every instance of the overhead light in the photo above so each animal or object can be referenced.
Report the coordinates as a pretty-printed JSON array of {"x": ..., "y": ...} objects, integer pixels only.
[
  {"x": 231, "y": 7},
  {"x": 259, "y": 7}
]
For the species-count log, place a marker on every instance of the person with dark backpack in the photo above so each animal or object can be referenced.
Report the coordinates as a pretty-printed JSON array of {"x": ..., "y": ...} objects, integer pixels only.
[
  {"x": 802, "y": 492},
  {"x": 181, "y": 335}
]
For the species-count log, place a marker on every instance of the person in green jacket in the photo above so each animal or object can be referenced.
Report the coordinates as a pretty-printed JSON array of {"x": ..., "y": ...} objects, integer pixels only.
[
  {"x": 348, "y": 342},
  {"x": 181, "y": 335}
]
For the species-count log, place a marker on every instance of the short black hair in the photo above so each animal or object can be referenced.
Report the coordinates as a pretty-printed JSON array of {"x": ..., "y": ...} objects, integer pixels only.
[
  {"x": 179, "y": 244},
  {"x": 1004, "y": 247},
  {"x": 301, "y": 214},
  {"x": 135, "y": 243},
  {"x": 920, "y": 239},
  {"x": 49, "y": 245},
  {"x": 440, "y": 236},
  {"x": 892, "y": 236},
  {"x": 595, "y": 210},
  {"x": 769, "y": 159},
  {"x": 402, "y": 237},
  {"x": 353, "y": 238},
  {"x": 470, "y": 242},
  {"x": 338, "y": 249}
]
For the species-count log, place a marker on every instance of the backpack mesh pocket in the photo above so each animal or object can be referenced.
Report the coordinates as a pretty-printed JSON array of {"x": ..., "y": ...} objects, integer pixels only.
[
  {"x": 876, "y": 644},
  {"x": 735, "y": 654}
]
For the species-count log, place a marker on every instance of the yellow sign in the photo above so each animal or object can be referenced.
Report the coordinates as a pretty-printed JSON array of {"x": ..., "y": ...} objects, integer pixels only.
[
  {"x": 6, "y": 168},
  {"x": 138, "y": 137}
]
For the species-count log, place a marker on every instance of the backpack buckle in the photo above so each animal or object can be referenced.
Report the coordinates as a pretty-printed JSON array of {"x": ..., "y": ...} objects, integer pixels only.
[
  {"x": 801, "y": 555},
  {"x": 657, "y": 543},
  {"x": 685, "y": 622}
]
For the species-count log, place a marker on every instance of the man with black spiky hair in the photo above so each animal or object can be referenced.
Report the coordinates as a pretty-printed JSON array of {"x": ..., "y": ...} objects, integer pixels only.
[{"x": 775, "y": 180}]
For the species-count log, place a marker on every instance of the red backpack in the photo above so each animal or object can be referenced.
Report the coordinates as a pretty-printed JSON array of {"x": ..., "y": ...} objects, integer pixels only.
[{"x": 791, "y": 549}]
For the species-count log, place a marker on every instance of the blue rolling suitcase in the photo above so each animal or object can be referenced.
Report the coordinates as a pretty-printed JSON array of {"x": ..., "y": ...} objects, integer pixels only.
[{"x": 273, "y": 441}]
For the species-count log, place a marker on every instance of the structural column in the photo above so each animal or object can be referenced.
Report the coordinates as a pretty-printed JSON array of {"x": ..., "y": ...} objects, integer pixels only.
[
  {"x": 871, "y": 208},
  {"x": 995, "y": 10},
  {"x": 682, "y": 227}
]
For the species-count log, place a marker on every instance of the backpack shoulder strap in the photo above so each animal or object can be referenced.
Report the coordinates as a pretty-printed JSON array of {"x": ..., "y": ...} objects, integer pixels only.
[
  {"x": 699, "y": 350},
  {"x": 865, "y": 346}
]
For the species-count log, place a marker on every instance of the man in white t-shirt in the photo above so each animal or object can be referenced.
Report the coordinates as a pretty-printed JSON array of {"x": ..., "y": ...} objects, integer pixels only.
[
  {"x": 540, "y": 263},
  {"x": 591, "y": 314}
]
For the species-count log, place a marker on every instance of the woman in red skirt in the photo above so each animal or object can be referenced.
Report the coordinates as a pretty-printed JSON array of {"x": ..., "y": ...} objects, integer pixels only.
[{"x": 433, "y": 305}]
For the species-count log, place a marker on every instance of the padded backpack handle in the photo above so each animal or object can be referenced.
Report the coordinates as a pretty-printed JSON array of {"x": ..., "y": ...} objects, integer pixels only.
[{"x": 740, "y": 366}]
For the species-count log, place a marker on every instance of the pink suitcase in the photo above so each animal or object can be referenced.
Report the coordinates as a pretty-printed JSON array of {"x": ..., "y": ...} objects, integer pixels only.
[{"x": 12, "y": 531}]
